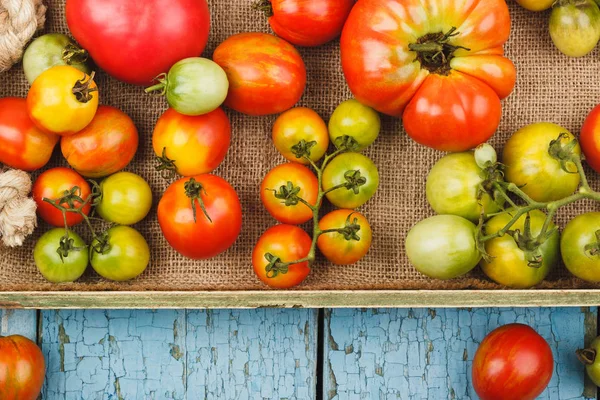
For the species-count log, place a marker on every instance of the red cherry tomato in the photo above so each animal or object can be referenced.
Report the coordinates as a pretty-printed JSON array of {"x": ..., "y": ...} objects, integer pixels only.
[
  {"x": 350, "y": 246},
  {"x": 22, "y": 368},
  {"x": 590, "y": 138}
]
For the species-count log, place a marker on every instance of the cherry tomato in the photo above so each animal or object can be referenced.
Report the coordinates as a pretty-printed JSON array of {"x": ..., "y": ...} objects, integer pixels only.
[
  {"x": 285, "y": 180},
  {"x": 591, "y": 359},
  {"x": 530, "y": 166},
  {"x": 194, "y": 144},
  {"x": 299, "y": 124},
  {"x": 590, "y": 138},
  {"x": 536, "y": 5},
  {"x": 286, "y": 243},
  {"x": 344, "y": 248},
  {"x": 22, "y": 144},
  {"x": 22, "y": 368},
  {"x": 103, "y": 147},
  {"x": 580, "y": 247},
  {"x": 575, "y": 27},
  {"x": 266, "y": 74},
  {"x": 358, "y": 121},
  {"x": 127, "y": 254},
  {"x": 344, "y": 169},
  {"x": 49, "y": 262},
  {"x": 512, "y": 362},
  {"x": 55, "y": 184},
  {"x": 200, "y": 216},
  {"x": 126, "y": 198}
]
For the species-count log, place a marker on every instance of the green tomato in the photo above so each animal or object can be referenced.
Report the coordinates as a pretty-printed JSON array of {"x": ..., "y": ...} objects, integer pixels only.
[
  {"x": 353, "y": 119},
  {"x": 592, "y": 360},
  {"x": 453, "y": 184},
  {"x": 341, "y": 170},
  {"x": 577, "y": 247},
  {"x": 50, "y": 50},
  {"x": 575, "y": 27},
  {"x": 48, "y": 260},
  {"x": 127, "y": 255},
  {"x": 126, "y": 198},
  {"x": 194, "y": 86},
  {"x": 443, "y": 246}
]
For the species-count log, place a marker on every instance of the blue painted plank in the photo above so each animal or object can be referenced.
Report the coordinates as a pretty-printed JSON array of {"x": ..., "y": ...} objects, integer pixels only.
[
  {"x": 427, "y": 354},
  {"x": 18, "y": 322}
]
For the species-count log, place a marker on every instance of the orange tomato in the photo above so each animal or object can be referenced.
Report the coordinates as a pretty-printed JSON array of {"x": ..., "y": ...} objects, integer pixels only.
[
  {"x": 22, "y": 368},
  {"x": 299, "y": 124},
  {"x": 338, "y": 248}
]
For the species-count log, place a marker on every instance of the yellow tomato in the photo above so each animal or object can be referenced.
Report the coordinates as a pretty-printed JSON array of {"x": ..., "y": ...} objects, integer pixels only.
[
  {"x": 62, "y": 100},
  {"x": 298, "y": 124},
  {"x": 536, "y": 5}
]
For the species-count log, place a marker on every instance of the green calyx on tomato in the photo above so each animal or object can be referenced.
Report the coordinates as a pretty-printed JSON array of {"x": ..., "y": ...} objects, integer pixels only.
[
  {"x": 434, "y": 51},
  {"x": 83, "y": 88},
  {"x": 194, "y": 190}
]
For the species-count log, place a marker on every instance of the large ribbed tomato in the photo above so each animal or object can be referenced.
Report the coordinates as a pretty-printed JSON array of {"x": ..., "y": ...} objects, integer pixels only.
[
  {"x": 439, "y": 65},
  {"x": 22, "y": 368}
]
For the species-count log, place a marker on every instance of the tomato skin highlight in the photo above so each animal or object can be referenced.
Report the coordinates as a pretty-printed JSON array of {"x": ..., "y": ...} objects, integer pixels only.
[
  {"x": 335, "y": 247},
  {"x": 512, "y": 362},
  {"x": 298, "y": 124},
  {"x": 22, "y": 368},
  {"x": 590, "y": 138}
]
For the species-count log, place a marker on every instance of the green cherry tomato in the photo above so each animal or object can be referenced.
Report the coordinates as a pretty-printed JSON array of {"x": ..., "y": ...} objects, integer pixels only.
[
  {"x": 443, "y": 246},
  {"x": 508, "y": 264},
  {"x": 48, "y": 260},
  {"x": 453, "y": 185},
  {"x": 194, "y": 86},
  {"x": 346, "y": 168},
  {"x": 353, "y": 119},
  {"x": 127, "y": 255},
  {"x": 126, "y": 198},
  {"x": 50, "y": 50},
  {"x": 580, "y": 247},
  {"x": 575, "y": 26}
]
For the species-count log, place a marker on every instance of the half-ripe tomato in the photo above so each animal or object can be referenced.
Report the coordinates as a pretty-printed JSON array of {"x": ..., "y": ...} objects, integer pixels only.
[
  {"x": 266, "y": 74},
  {"x": 307, "y": 22},
  {"x": 22, "y": 368},
  {"x": 62, "y": 100},
  {"x": 512, "y": 362},
  {"x": 103, "y": 147},
  {"x": 125, "y": 256},
  {"x": 346, "y": 236},
  {"x": 136, "y": 41},
  {"x": 590, "y": 138},
  {"x": 125, "y": 199},
  {"x": 355, "y": 170},
  {"x": 22, "y": 144},
  {"x": 282, "y": 244},
  {"x": 281, "y": 189},
  {"x": 580, "y": 246},
  {"x": 439, "y": 65},
  {"x": 191, "y": 145},
  {"x": 200, "y": 216},
  {"x": 56, "y": 184},
  {"x": 355, "y": 120},
  {"x": 299, "y": 124}
]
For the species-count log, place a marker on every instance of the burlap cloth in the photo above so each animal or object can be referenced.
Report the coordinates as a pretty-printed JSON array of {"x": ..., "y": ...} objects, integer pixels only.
[{"x": 550, "y": 87}]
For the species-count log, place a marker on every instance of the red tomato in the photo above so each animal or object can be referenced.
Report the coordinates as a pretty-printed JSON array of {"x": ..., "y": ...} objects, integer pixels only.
[
  {"x": 190, "y": 232},
  {"x": 350, "y": 246},
  {"x": 590, "y": 138},
  {"x": 512, "y": 362},
  {"x": 22, "y": 144},
  {"x": 195, "y": 144},
  {"x": 308, "y": 22},
  {"x": 22, "y": 368},
  {"x": 266, "y": 74},
  {"x": 446, "y": 85},
  {"x": 288, "y": 243},
  {"x": 135, "y": 41},
  {"x": 303, "y": 180},
  {"x": 103, "y": 147},
  {"x": 54, "y": 184}
]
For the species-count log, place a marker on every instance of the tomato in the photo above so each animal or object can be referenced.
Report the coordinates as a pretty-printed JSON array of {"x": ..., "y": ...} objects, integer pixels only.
[
  {"x": 50, "y": 50},
  {"x": 286, "y": 243},
  {"x": 55, "y": 184},
  {"x": 127, "y": 254},
  {"x": 453, "y": 185},
  {"x": 283, "y": 204},
  {"x": 193, "y": 86},
  {"x": 126, "y": 198},
  {"x": 22, "y": 368},
  {"x": 62, "y": 100},
  {"x": 508, "y": 264},
  {"x": 201, "y": 216},
  {"x": 589, "y": 357},
  {"x": 49, "y": 262},
  {"x": 438, "y": 65},
  {"x": 103, "y": 147},
  {"x": 348, "y": 247},
  {"x": 580, "y": 248},
  {"x": 307, "y": 22},
  {"x": 345, "y": 169},
  {"x": 443, "y": 246},
  {"x": 266, "y": 74},
  {"x": 22, "y": 144},
  {"x": 590, "y": 138},
  {"x": 575, "y": 27},
  {"x": 512, "y": 362},
  {"x": 536, "y": 5},
  {"x": 353, "y": 119},
  {"x": 531, "y": 167},
  {"x": 299, "y": 124},
  {"x": 135, "y": 42},
  {"x": 193, "y": 145}
]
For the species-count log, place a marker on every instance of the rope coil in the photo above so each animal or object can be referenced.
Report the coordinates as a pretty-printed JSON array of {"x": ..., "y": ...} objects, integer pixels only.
[{"x": 17, "y": 209}]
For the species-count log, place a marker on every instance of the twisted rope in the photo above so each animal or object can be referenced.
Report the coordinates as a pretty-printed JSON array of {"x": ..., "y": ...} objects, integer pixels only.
[
  {"x": 19, "y": 19},
  {"x": 17, "y": 210}
]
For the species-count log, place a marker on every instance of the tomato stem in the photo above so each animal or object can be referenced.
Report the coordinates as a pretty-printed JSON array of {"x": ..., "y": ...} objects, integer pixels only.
[
  {"x": 73, "y": 54},
  {"x": 264, "y": 6},
  {"x": 166, "y": 165},
  {"x": 434, "y": 51},
  {"x": 586, "y": 356},
  {"x": 162, "y": 84},
  {"x": 194, "y": 190},
  {"x": 82, "y": 90}
]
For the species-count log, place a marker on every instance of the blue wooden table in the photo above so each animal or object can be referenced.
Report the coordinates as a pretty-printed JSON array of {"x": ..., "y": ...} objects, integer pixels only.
[{"x": 285, "y": 354}]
